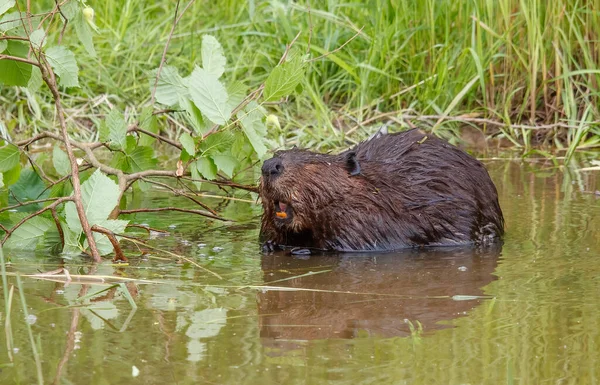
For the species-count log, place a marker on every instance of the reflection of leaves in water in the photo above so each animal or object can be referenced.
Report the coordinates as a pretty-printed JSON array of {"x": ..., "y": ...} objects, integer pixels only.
[
  {"x": 204, "y": 324},
  {"x": 94, "y": 312},
  {"x": 196, "y": 350},
  {"x": 98, "y": 312}
]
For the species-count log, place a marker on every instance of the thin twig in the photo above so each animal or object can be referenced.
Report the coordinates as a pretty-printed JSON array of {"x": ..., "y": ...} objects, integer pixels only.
[
  {"x": 62, "y": 32},
  {"x": 21, "y": 204},
  {"x": 19, "y": 59},
  {"x": 164, "y": 55},
  {"x": 179, "y": 193},
  {"x": 136, "y": 128},
  {"x": 148, "y": 228},
  {"x": 61, "y": 234},
  {"x": 189, "y": 211},
  {"x": 28, "y": 217}
]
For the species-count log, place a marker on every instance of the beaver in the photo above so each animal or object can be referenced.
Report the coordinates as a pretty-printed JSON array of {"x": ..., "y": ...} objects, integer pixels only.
[{"x": 393, "y": 191}]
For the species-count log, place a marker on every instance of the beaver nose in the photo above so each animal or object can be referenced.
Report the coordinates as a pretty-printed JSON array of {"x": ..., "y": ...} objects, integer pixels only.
[{"x": 272, "y": 167}]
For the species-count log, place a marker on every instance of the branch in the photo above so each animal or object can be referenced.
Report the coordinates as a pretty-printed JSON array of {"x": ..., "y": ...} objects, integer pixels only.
[
  {"x": 147, "y": 228},
  {"x": 189, "y": 211},
  {"x": 40, "y": 211},
  {"x": 164, "y": 55},
  {"x": 119, "y": 256},
  {"x": 179, "y": 193},
  {"x": 58, "y": 226},
  {"x": 14, "y": 38},
  {"x": 21, "y": 204},
  {"x": 22, "y": 60},
  {"x": 50, "y": 80},
  {"x": 136, "y": 128}
]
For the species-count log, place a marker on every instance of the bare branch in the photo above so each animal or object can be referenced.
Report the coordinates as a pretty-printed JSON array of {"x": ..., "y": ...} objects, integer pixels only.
[
  {"x": 164, "y": 55},
  {"x": 28, "y": 217},
  {"x": 19, "y": 59},
  {"x": 21, "y": 204},
  {"x": 189, "y": 211},
  {"x": 136, "y": 128},
  {"x": 58, "y": 226},
  {"x": 179, "y": 193},
  {"x": 50, "y": 80},
  {"x": 119, "y": 256}
]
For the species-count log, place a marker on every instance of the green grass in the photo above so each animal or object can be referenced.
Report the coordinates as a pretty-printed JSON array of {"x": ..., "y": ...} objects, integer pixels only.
[{"x": 529, "y": 63}]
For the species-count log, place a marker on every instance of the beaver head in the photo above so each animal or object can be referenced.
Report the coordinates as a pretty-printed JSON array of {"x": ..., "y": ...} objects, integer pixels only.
[
  {"x": 390, "y": 192},
  {"x": 298, "y": 188}
]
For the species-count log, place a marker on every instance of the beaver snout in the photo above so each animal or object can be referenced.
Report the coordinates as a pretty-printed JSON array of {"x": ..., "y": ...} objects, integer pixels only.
[{"x": 272, "y": 168}]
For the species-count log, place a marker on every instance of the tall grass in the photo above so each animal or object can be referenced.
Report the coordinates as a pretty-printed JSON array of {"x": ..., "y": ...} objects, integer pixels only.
[{"x": 528, "y": 64}]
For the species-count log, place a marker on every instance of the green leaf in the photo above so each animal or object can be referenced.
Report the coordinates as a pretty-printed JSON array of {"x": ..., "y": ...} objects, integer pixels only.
[
  {"x": 207, "y": 168},
  {"x": 29, "y": 187},
  {"x": 283, "y": 79},
  {"x": 74, "y": 14},
  {"x": 194, "y": 116},
  {"x": 188, "y": 143},
  {"x": 14, "y": 73},
  {"x": 38, "y": 38},
  {"x": 100, "y": 196},
  {"x": 12, "y": 176},
  {"x": 5, "y": 5},
  {"x": 140, "y": 159},
  {"x": 60, "y": 160},
  {"x": 1, "y": 180},
  {"x": 170, "y": 87},
  {"x": 116, "y": 128},
  {"x": 225, "y": 163},
  {"x": 213, "y": 60},
  {"x": 72, "y": 244},
  {"x": 147, "y": 121},
  {"x": 209, "y": 95},
  {"x": 9, "y": 157},
  {"x": 254, "y": 128},
  {"x": 217, "y": 142},
  {"x": 3, "y": 45},
  {"x": 134, "y": 158},
  {"x": 35, "y": 81},
  {"x": 50, "y": 241},
  {"x": 26, "y": 237},
  {"x": 11, "y": 21},
  {"x": 64, "y": 64},
  {"x": 237, "y": 92}
]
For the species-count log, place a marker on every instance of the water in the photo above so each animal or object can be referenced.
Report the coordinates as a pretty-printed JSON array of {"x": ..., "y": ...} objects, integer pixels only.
[{"x": 525, "y": 313}]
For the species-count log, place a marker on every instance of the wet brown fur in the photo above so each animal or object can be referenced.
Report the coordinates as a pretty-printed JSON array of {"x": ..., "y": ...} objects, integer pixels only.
[{"x": 410, "y": 190}]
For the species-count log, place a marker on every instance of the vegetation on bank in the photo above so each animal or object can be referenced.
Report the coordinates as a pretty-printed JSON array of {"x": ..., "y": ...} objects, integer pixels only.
[{"x": 520, "y": 70}]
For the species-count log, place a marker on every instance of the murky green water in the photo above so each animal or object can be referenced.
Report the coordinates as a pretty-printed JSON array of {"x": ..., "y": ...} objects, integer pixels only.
[{"x": 526, "y": 314}]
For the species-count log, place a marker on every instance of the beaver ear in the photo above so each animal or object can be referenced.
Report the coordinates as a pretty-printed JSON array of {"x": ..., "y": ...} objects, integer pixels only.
[{"x": 352, "y": 164}]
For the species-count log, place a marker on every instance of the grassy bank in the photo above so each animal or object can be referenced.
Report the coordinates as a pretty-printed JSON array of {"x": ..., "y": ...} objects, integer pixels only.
[{"x": 525, "y": 72}]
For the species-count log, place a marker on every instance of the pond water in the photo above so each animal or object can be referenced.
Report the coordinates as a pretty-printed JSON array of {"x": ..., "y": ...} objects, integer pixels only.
[{"x": 523, "y": 313}]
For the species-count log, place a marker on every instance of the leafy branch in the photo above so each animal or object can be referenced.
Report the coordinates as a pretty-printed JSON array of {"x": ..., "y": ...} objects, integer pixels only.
[{"x": 223, "y": 140}]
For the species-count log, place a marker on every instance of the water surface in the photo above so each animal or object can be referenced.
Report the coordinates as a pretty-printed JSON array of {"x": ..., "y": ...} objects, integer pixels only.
[{"x": 523, "y": 313}]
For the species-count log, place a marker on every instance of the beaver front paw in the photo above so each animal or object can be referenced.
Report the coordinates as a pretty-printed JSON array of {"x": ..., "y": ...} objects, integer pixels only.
[{"x": 269, "y": 247}]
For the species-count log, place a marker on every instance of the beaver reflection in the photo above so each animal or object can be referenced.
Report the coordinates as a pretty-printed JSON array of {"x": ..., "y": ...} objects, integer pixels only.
[{"x": 393, "y": 288}]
